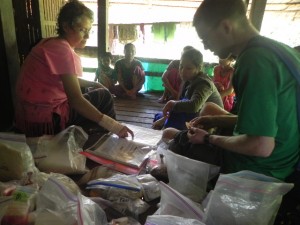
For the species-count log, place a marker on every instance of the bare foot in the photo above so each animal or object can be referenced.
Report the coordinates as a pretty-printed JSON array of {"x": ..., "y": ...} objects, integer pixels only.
[
  {"x": 158, "y": 124},
  {"x": 161, "y": 100}
]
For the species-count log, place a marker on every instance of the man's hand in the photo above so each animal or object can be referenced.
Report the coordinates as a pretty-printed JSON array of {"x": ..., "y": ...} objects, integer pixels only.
[{"x": 196, "y": 135}]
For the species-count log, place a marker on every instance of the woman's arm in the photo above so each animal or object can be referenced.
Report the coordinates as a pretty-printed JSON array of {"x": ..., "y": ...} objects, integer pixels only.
[
  {"x": 200, "y": 92},
  {"x": 76, "y": 100},
  {"x": 86, "y": 83},
  {"x": 87, "y": 110},
  {"x": 212, "y": 121}
]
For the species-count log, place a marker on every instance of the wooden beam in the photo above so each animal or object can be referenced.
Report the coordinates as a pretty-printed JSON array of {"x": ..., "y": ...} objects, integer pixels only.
[
  {"x": 10, "y": 41},
  {"x": 102, "y": 26},
  {"x": 257, "y": 12}
]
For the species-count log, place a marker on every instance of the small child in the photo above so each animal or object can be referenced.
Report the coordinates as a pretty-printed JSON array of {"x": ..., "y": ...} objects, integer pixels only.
[{"x": 104, "y": 74}]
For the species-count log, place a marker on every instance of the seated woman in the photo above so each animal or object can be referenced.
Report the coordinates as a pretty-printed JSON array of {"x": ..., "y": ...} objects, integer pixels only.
[
  {"x": 172, "y": 80},
  {"x": 222, "y": 78},
  {"x": 130, "y": 74},
  {"x": 199, "y": 88},
  {"x": 49, "y": 97},
  {"x": 104, "y": 74}
]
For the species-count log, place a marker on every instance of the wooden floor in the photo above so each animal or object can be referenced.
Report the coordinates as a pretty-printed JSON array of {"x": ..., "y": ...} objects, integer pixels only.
[{"x": 139, "y": 112}]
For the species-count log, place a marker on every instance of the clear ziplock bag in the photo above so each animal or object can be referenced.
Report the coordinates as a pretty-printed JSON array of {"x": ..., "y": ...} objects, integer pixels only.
[
  {"x": 245, "y": 198},
  {"x": 60, "y": 153},
  {"x": 55, "y": 201},
  {"x": 189, "y": 176},
  {"x": 175, "y": 204}
]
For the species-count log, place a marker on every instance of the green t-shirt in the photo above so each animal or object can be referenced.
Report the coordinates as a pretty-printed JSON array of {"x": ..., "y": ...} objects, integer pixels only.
[{"x": 266, "y": 104}]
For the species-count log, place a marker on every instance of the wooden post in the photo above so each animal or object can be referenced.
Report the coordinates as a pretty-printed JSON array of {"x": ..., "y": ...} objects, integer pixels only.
[
  {"x": 10, "y": 42},
  {"x": 257, "y": 12},
  {"x": 102, "y": 26}
]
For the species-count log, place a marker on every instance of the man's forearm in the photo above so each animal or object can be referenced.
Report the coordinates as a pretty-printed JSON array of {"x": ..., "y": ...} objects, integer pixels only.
[{"x": 260, "y": 146}]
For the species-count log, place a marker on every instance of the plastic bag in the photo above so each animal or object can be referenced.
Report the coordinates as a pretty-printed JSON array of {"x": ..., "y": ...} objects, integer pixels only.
[
  {"x": 150, "y": 187},
  {"x": 96, "y": 173},
  {"x": 18, "y": 210},
  {"x": 189, "y": 176},
  {"x": 175, "y": 204},
  {"x": 117, "y": 185},
  {"x": 56, "y": 200},
  {"x": 112, "y": 214},
  {"x": 15, "y": 157},
  {"x": 124, "y": 191},
  {"x": 60, "y": 153},
  {"x": 170, "y": 220},
  {"x": 245, "y": 198}
]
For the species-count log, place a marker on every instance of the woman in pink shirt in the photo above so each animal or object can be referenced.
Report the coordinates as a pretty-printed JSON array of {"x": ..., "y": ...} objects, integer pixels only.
[{"x": 49, "y": 96}]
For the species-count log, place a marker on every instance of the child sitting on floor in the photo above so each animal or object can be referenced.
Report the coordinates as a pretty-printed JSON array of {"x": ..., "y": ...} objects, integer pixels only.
[{"x": 104, "y": 73}]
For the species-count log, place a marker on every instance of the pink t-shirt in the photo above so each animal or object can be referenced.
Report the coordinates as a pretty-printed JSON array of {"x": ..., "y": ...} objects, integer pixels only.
[
  {"x": 172, "y": 74},
  {"x": 222, "y": 79},
  {"x": 40, "y": 91}
]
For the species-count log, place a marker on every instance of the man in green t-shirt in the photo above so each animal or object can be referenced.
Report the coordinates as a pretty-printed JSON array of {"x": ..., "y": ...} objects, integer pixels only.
[{"x": 265, "y": 136}]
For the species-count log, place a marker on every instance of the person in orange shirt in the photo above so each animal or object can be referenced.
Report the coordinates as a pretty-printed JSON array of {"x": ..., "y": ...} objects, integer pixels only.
[{"x": 222, "y": 78}]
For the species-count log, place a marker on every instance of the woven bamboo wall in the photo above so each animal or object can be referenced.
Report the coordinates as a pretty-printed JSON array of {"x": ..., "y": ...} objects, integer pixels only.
[{"x": 49, "y": 10}]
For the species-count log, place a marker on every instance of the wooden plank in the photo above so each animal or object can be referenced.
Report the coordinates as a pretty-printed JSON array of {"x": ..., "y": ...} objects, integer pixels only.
[
  {"x": 146, "y": 125},
  {"x": 139, "y": 105},
  {"x": 141, "y": 101},
  {"x": 134, "y": 119},
  {"x": 139, "y": 112},
  {"x": 135, "y": 114},
  {"x": 137, "y": 109}
]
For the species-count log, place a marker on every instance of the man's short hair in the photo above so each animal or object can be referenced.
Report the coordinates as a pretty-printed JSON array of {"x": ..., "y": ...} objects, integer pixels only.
[{"x": 212, "y": 12}]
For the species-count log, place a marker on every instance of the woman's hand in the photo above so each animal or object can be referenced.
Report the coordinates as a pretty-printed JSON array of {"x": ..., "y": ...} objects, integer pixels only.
[
  {"x": 124, "y": 133},
  {"x": 196, "y": 135},
  {"x": 115, "y": 127},
  {"x": 168, "y": 107}
]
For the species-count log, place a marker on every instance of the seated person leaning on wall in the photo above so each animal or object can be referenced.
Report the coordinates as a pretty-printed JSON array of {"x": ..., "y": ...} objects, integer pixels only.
[{"x": 130, "y": 74}]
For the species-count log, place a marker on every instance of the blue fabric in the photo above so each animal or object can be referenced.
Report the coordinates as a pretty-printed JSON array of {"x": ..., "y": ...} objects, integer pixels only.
[
  {"x": 178, "y": 119},
  {"x": 157, "y": 116}
]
